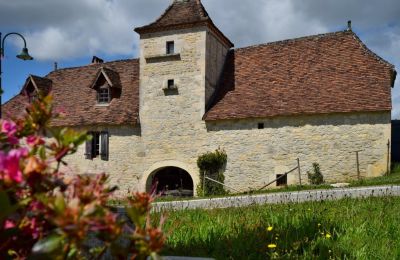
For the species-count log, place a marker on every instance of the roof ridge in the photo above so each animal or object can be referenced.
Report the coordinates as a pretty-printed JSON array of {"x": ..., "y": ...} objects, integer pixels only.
[
  {"x": 89, "y": 65},
  {"x": 293, "y": 39}
]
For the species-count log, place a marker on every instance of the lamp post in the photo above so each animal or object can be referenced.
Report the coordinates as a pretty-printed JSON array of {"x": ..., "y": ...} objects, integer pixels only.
[{"x": 24, "y": 55}]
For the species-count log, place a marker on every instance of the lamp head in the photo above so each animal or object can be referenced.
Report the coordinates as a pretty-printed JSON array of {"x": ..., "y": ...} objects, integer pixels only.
[{"x": 24, "y": 55}]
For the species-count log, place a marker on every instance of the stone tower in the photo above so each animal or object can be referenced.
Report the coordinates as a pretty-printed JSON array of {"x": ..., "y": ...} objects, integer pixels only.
[{"x": 182, "y": 55}]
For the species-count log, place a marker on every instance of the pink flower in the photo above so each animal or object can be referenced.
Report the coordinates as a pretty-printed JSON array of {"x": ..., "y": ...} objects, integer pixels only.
[
  {"x": 9, "y": 164},
  {"x": 9, "y": 224},
  {"x": 9, "y": 128},
  {"x": 33, "y": 140}
]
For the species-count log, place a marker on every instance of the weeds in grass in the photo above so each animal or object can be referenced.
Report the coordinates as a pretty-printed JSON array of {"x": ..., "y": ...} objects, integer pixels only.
[{"x": 345, "y": 229}]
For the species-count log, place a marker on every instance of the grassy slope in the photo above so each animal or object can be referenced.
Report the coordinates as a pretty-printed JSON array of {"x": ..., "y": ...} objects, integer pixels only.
[{"x": 362, "y": 229}]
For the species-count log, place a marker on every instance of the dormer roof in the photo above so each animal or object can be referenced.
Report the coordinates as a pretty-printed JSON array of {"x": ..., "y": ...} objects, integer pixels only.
[
  {"x": 40, "y": 84},
  {"x": 109, "y": 75},
  {"x": 182, "y": 14}
]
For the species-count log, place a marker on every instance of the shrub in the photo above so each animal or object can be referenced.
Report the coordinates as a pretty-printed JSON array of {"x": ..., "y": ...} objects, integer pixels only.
[
  {"x": 46, "y": 214},
  {"x": 315, "y": 176},
  {"x": 211, "y": 165}
]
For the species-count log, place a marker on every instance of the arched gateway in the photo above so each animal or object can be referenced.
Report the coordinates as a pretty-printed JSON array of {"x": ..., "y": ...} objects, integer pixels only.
[{"x": 170, "y": 178}]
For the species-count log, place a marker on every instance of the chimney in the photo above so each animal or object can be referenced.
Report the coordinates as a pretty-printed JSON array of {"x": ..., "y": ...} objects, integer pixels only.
[
  {"x": 349, "y": 25},
  {"x": 97, "y": 60},
  {"x": 55, "y": 66}
]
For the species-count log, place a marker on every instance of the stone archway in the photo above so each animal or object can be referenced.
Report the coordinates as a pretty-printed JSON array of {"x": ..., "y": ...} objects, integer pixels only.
[
  {"x": 146, "y": 181},
  {"x": 171, "y": 181}
]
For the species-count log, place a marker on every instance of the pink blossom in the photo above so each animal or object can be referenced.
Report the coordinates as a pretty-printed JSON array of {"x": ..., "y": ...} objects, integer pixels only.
[
  {"x": 9, "y": 164},
  {"x": 9, "y": 224},
  {"x": 9, "y": 128},
  {"x": 33, "y": 140}
]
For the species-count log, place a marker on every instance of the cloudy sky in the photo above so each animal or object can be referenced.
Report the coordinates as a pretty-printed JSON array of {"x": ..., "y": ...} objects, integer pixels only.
[{"x": 70, "y": 32}]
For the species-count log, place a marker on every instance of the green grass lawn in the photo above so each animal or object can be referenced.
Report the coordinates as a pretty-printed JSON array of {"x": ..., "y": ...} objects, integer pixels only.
[{"x": 345, "y": 229}]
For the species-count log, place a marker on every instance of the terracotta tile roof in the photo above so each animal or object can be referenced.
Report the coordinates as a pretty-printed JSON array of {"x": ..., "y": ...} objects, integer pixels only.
[
  {"x": 329, "y": 73},
  {"x": 183, "y": 14},
  {"x": 73, "y": 94}
]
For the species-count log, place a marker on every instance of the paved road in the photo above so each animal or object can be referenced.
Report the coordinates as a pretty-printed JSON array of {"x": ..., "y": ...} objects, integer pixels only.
[{"x": 281, "y": 197}]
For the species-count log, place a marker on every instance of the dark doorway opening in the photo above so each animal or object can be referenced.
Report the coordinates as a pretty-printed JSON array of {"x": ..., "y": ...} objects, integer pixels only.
[{"x": 172, "y": 181}]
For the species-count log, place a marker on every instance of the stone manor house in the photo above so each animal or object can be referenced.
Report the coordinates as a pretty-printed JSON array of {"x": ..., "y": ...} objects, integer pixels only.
[{"x": 318, "y": 98}]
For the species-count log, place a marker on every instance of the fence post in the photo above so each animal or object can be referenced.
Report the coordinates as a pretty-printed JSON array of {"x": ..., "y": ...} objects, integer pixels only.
[
  {"x": 204, "y": 183},
  {"x": 298, "y": 168},
  {"x": 388, "y": 158},
  {"x": 358, "y": 166}
]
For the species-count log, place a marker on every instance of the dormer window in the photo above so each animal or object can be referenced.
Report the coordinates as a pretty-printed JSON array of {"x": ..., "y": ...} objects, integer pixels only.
[
  {"x": 36, "y": 86},
  {"x": 170, "y": 47},
  {"x": 107, "y": 86},
  {"x": 103, "y": 95}
]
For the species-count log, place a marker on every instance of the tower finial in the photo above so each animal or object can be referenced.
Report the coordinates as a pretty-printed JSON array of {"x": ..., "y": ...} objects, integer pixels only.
[{"x": 349, "y": 25}]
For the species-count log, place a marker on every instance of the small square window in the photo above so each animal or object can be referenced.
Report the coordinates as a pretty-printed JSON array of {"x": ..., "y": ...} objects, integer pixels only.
[
  {"x": 170, "y": 47},
  {"x": 171, "y": 84},
  {"x": 282, "y": 181},
  {"x": 260, "y": 125}
]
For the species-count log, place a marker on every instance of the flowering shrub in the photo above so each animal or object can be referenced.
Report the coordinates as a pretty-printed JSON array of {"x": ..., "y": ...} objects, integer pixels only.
[{"x": 48, "y": 214}]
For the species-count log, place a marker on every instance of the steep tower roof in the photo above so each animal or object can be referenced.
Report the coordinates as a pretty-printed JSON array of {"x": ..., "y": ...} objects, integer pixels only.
[{"x": 183, "y": 14}]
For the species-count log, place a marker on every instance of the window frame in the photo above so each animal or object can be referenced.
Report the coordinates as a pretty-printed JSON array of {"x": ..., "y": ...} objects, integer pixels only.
[
  {"x": 104, "y": 98},
  {"x": 98, "y": 146},
  {"x": 170, "y": 47}
]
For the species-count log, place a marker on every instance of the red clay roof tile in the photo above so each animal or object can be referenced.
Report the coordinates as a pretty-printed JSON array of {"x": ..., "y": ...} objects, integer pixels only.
[
  {"x": 326, "y": 73},
  {"x": 72, "y": 93}
]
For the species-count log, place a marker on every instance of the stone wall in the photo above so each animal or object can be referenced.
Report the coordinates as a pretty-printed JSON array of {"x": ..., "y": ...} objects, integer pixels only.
[
  {"x": 126, "y": 154},
  {"x": 216, "y": 52},
  {"x": 255, "y": 155}
]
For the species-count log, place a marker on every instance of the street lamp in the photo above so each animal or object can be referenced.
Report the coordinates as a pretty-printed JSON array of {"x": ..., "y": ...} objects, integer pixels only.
[{"x": 24, "y": 55}]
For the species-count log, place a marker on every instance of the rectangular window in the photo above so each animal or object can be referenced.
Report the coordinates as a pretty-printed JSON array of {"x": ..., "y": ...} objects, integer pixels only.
[
  {"x": 260, "y": 125},
  {"x": 282, "y": 181},
  {"x": 171, "y": 84},
  {"x": 170, "y": 47},
  {"x": 97, "y": 146},
  {"x": 103, "y": 95}
]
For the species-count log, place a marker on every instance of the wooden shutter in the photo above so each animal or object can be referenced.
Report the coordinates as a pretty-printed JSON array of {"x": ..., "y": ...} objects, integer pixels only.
[
  {"x": 104, "y": 145},
  {"x": 89, "y": 148}
]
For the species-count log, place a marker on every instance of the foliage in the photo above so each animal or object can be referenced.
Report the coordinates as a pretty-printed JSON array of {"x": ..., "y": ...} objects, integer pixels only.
[
  {"x": 47, "y": 214},
  {"x": 211, "y": 165},
  {"x": 345, "y": 229},
  {"x": 315, "y": 176}
]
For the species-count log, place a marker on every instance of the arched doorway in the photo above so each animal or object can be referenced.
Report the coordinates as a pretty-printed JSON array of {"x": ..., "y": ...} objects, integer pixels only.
[{"x": 171, "y": 181}]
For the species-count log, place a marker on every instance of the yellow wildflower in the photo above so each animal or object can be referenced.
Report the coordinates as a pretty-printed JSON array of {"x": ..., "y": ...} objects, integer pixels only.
[
  {"x": 271, "y": 245},
  {"x": 269, "y": 228},
  {"x": 328, "y": 235}
]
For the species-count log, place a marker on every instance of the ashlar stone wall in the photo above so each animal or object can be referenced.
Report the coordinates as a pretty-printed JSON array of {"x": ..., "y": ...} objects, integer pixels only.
[{"x": 256, "y": 156}]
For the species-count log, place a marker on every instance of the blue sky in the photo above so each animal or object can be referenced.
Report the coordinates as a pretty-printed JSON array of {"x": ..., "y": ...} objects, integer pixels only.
[{"x": 71, "y": 32}]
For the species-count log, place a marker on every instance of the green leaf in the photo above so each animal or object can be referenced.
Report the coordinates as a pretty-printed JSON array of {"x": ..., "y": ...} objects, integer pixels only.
[
  {"x": 42, "y": 152},
  {"x": 6, "y": 207},
  {"x": 59, "y": 203},
  {"x": 135, "y": 216},
  {"x": 49, "y": 245}
]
